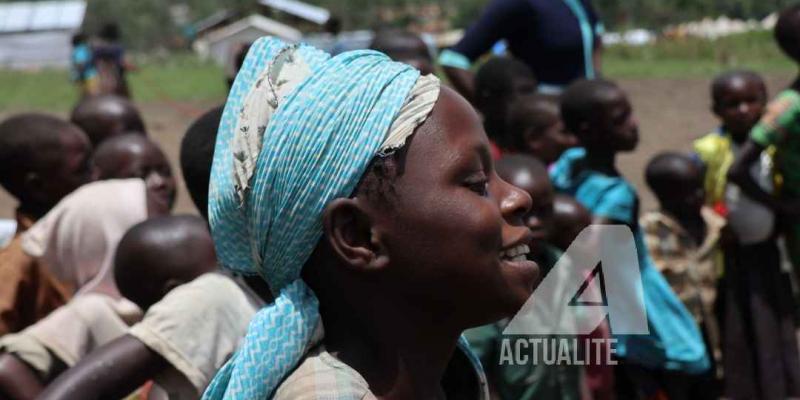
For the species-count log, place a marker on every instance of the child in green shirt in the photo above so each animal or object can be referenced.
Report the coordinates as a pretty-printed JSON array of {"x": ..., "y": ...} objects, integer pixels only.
[{"x": 779, "y": 127}]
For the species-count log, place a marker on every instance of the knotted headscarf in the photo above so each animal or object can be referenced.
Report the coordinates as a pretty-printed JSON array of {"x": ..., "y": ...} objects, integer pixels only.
[{"x": 299, "y": 129}]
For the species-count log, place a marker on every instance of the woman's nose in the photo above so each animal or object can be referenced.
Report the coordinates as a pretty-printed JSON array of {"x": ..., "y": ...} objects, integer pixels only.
[{"x": 515, "y": 203}]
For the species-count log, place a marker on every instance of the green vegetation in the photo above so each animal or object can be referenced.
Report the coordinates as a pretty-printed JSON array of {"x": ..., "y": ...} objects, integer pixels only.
[
  {"x": 697, "y": 57},
  {"x": 183, "y": 77},
  {"x": 656, "y": 14},
  {"x": 147, "y": 24}
]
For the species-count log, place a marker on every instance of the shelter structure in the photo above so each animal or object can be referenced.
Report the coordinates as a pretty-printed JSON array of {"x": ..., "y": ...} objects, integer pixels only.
[{"x": 38, "y": 34}]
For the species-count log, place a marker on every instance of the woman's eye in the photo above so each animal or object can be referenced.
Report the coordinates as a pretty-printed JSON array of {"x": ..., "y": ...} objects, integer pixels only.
[{"x": 480, "y": 187}]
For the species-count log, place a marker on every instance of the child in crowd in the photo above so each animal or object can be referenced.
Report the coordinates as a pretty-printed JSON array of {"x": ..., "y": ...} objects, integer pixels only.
[
  {"x": 214, "y": 311},
  {"x": 755, "y": 298},
  {"x": 399, "y": 162},
  {"x": 111, "y": 62},
  {"x": 669, "y": 359},
  {"x": 197, "y": 152},
  {"x": 77, "y": 240},
  {"x": 84, "y": 74},
  {"x": 534, "y": 127},
  {"x": 683, "y": 237},
  {"x": 569, "y": 219},
  {"x": 780, "y": 127},
  {"x": 499, "y": 82},
  {"x": 763, "y": 295},
  {"x": 136, "y": 156},
  {"x": 42, "y": 159},
  {"x": 405, "y": 47},
  {"x": 533, "y": 380},
  {"x": 108, "y": 115},
  {"x": 152, "y": 258}
]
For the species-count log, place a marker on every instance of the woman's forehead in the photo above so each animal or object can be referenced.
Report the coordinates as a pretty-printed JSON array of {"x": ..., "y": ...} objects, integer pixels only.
[{"x": 455, "y": 122}]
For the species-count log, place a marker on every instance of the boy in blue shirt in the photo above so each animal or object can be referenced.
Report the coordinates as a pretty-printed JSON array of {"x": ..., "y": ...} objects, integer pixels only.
[{"x": 671, "y": 360}]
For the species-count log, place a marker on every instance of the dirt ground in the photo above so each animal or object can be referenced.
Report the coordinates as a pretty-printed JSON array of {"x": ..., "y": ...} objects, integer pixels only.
[{"x": 671, "y": 113}]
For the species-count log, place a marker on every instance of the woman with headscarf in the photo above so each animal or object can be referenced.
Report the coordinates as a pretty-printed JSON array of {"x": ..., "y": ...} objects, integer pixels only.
[
  {"x": 76, "y": 240},
  {"x": 364, "y": 195}
]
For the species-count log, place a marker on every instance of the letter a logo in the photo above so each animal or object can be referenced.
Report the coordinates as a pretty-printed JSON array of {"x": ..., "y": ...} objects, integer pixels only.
[{"x": 598, "y": 276}]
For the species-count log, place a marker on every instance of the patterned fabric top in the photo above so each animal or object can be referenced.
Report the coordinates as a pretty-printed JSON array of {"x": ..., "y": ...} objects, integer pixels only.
[{"x": 691, "y": 269}]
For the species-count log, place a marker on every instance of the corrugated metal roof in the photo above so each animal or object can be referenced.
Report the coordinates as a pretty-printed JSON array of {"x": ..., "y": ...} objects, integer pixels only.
[
  {"x": 31, "y": 16},
  {"x": 260, "y": 22},
  {"x": 317, "y": 15}
]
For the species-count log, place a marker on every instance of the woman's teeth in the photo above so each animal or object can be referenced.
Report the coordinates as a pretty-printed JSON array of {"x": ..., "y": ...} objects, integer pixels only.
[{"x": 516, "y": 253}]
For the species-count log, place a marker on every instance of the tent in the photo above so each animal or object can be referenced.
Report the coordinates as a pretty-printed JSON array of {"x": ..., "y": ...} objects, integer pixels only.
[{"x": 38, "y": 34}]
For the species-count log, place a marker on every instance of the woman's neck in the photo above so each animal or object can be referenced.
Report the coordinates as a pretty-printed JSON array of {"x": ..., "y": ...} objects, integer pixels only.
[{"x": 401, "y": 354}]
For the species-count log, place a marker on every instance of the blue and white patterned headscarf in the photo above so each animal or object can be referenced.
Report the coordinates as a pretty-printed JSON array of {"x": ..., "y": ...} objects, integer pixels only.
[{"x": 299, "y": 130}]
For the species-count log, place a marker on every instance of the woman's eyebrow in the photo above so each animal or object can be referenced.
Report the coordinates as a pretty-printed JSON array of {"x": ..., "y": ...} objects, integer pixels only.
[{"x": 483, "y": 152}]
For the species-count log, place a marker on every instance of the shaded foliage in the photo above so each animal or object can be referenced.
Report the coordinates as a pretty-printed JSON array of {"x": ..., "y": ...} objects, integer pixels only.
[{"x": 148, "y": 23}]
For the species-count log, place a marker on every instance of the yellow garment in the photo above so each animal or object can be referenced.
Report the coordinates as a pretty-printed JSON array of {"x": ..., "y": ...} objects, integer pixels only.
[{"x": 716, "y": 152}]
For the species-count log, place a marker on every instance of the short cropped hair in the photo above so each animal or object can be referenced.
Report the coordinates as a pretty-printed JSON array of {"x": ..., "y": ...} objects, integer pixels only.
[
  {"x": 494, "y": 79},
  {"x": 580, "y": 100},
  {"x": 664, "y": 169},
  {"x": 197, "y": 154},
  {"x": 27, "y": 144},
  {"x": 721, "y": 82}
]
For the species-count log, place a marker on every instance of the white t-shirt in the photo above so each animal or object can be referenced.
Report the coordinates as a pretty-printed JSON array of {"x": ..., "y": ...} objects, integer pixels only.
[
  {"x": 196, "y": 327},
  {"x": 72, "y": 331}
]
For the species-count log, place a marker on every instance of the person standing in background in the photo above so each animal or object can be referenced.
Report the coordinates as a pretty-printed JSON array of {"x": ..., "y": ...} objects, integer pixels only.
[
  {"x": 83, "y": 73},
  {"x": 110, "y": 61},
  {"x": 560, "y": 40}
]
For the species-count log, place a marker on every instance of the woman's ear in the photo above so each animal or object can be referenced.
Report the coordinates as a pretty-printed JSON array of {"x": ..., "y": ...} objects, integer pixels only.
[{"x": 352, "y": 235}]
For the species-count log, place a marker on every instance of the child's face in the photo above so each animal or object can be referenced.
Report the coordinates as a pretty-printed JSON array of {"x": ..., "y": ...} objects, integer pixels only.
[
  {"x": 740, "y": 105},
  {"x": 74, "y": 167},
  {"x": 614, "y": 124},
  {"x": 552, "y": 142},
  {"x": 688, "y": 196},
  {"x": 149, "y": 163},
  {"x": 539, "y": 219},
  {"x": 453, "y": 224}
]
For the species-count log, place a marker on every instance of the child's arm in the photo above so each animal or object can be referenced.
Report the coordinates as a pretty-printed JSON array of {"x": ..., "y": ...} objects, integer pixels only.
[
  {"x": 774, "y": 129},
  {"x": 17, "y": 380},
  {"x": 94, "y": 378},
  {"x": 739, "y": 173}
]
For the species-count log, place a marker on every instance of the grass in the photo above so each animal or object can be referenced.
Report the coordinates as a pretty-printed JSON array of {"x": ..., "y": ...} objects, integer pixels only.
[
  {"x": 692, "y": 57},
  {"x": 183, "y": 77}
]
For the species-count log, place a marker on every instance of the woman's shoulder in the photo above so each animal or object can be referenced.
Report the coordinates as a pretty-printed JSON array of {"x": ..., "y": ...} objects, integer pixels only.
[{"x": 320, "y": 375}]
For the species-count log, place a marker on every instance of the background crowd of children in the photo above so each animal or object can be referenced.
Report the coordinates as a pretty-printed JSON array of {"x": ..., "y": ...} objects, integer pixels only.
[{"x": 99, "y": 274}]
